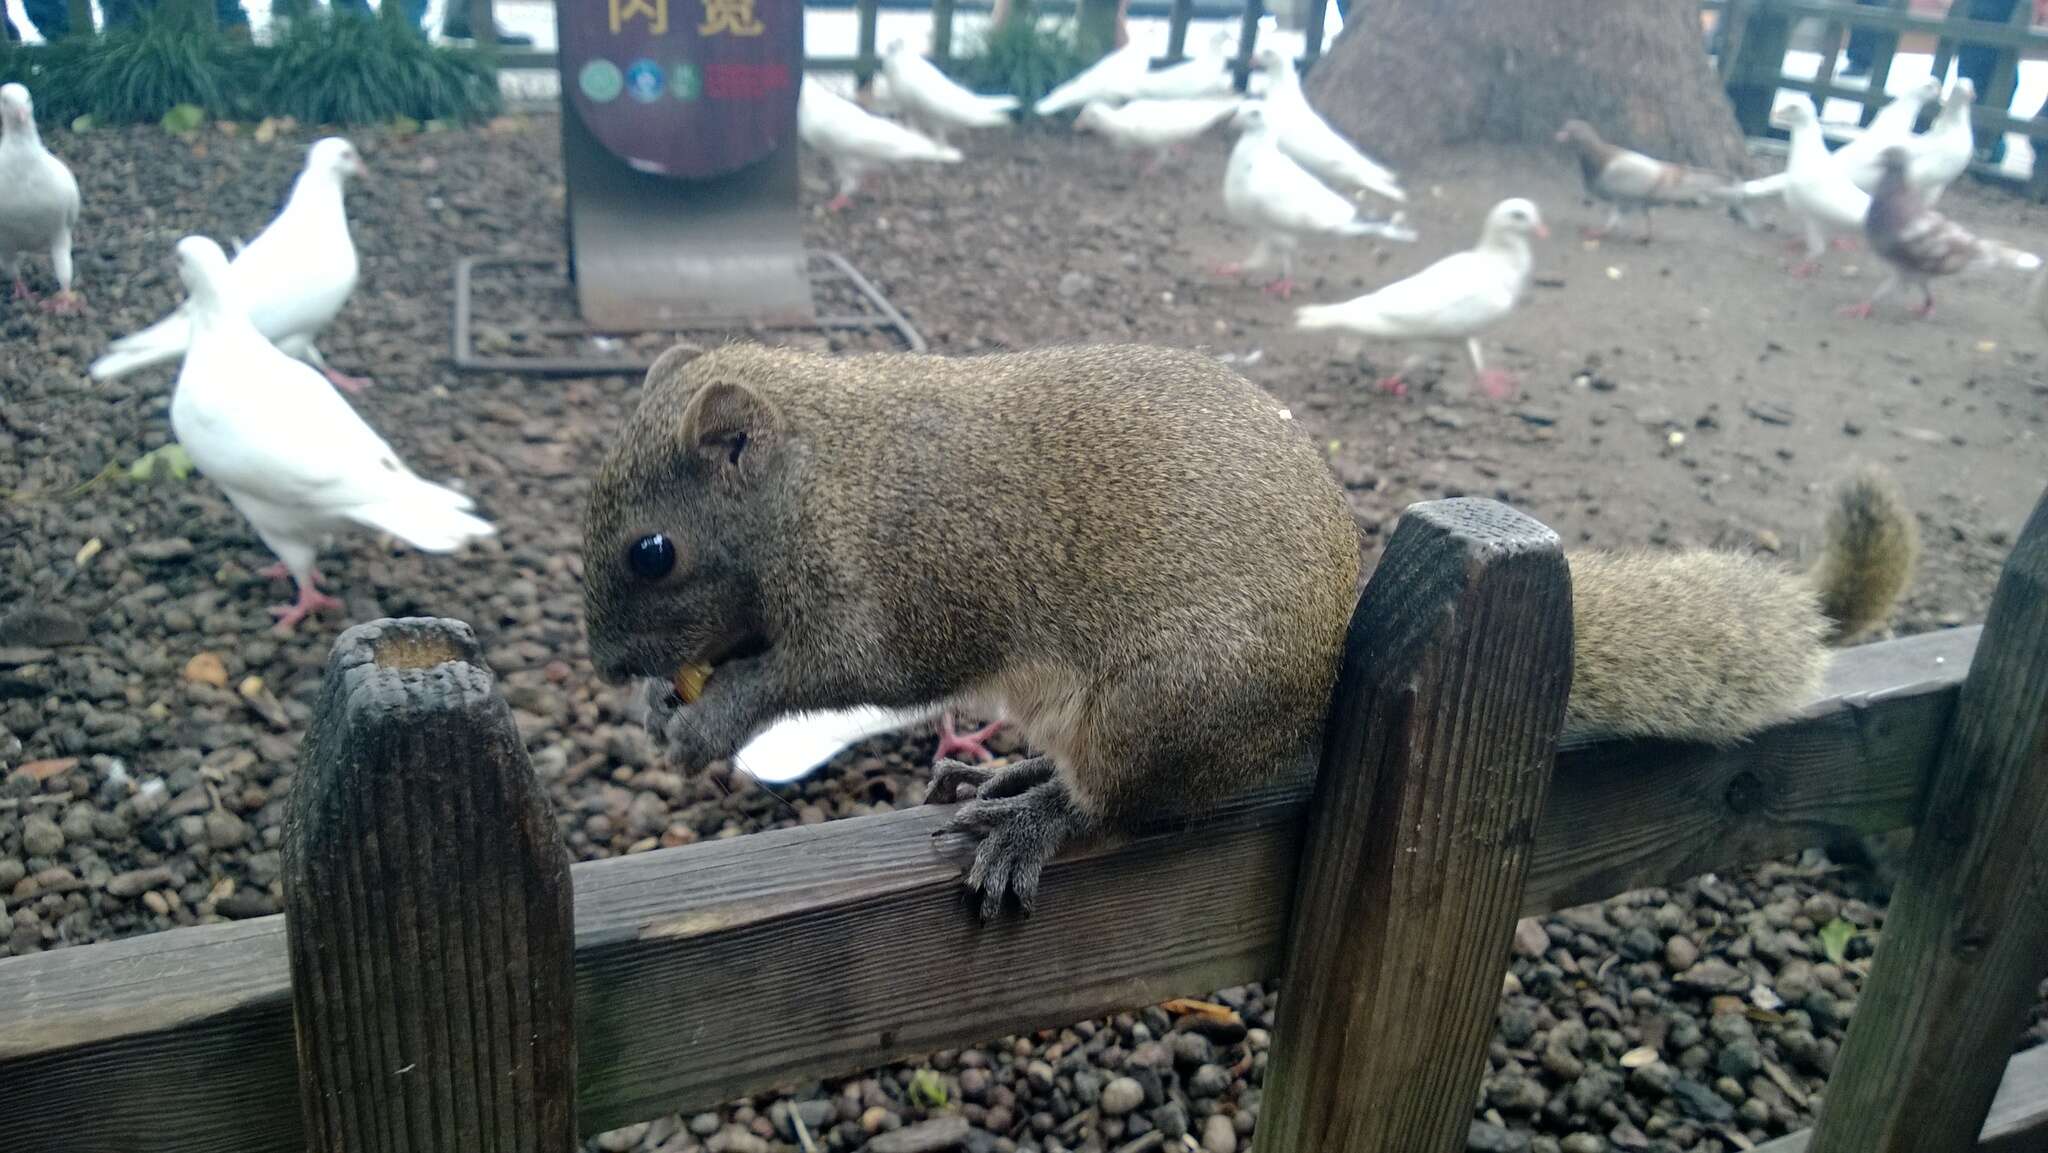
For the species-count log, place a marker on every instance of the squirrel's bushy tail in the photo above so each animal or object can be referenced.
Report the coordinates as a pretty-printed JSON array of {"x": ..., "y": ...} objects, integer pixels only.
[
  {"x": 1872, "y": 543},
  {"x": 1713, "y": 646}
]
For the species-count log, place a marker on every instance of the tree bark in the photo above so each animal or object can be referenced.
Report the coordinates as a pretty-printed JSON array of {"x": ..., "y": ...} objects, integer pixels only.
[{"x": 1409, "y": 76}]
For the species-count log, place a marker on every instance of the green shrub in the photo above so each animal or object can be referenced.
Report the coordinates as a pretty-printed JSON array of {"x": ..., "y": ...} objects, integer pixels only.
[
  {"x": 343, "y": 69},
  {"x": 1026, "y": 57},
  {"x": 321, "y": 69}
]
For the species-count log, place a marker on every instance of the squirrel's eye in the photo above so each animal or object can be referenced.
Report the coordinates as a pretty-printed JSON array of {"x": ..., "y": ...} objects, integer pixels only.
[{"x": 652, "y": 556}]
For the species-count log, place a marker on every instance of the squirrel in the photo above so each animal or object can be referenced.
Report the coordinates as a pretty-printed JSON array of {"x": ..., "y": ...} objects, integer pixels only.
[{"x": 1151, "y": 577}]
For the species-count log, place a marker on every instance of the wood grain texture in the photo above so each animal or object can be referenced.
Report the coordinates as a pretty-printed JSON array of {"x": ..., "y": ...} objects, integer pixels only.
[
  {"x": 722, "y": 967},
  {"x": 1966, "y": 942},
  {"x": 1439, "y": 751},
  {"x": 2019, "y": 1115},
  {"x": 427, "y": 910}
]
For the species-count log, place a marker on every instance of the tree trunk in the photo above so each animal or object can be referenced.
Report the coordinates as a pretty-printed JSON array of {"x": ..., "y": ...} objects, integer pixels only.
[{"x": 1409, "y": 76}]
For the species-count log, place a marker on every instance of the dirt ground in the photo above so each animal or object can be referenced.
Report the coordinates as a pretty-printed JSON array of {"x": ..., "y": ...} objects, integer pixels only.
[{"x": 1682, "y": 392}]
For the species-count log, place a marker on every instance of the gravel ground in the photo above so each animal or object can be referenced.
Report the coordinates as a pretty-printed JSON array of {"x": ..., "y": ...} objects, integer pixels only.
[{"x": 1684, "y": 392}]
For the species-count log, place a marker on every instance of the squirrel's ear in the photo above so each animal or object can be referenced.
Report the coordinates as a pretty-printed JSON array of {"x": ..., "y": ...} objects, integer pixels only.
[
  {"x": 732, "y": 427},
  {"x": 671, "y": 362}
]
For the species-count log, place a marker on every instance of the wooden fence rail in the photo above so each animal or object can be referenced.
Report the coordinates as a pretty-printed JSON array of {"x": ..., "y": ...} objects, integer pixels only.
[{"x": 724, "y": 968}]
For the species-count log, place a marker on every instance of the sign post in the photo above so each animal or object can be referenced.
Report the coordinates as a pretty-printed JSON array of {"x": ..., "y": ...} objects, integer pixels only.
[{"x": 679, "y": 142}]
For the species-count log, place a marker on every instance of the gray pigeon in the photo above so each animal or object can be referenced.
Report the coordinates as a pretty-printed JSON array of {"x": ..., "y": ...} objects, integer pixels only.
[
  {"x": 38, "y": 201},
  {"x": 1633, "y": 182},
  {"x": 1920, "y": 244}
]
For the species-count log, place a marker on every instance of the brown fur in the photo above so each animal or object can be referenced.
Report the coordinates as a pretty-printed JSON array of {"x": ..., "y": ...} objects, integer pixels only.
[
  {"x": 1872, "y": 543},
  {"x": 1129, "y": 550},
  {"x": 1713, "y": 646}
]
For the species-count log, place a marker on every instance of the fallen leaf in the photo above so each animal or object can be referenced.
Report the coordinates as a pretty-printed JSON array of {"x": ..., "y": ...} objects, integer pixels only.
[
  {"x": 40, "y": 771},
  {"x": 1184, "y": 1005},
  {"x": 1835, "y": 937}
]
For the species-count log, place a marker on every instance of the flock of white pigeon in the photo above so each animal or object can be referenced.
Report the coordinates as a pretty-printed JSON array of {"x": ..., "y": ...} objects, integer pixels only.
[{"x": 258, "y": 411}]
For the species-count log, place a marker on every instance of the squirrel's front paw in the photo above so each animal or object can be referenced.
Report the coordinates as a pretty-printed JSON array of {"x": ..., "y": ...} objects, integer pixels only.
[
  {"x": 676, "y": 726},
  {"x": 1022, "y": 817}
]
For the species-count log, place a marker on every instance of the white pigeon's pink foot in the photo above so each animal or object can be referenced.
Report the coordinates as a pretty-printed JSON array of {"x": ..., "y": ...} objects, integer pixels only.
[
  {"x": 65, "y": 304},
  {"x": 1392, "y": 385},
  {"x": 839, "y": 203},
  {"x": 1925, "y": 311},
  {"x": 278, "y": 571},
  {"x": 1282, "y": 288},
  {"x": 1804, "y": 269},
  {"x": 1843, "y": 244},
  {"x": 1227, "y": 271},
  {"x": 311, "y": 600},
  {"x": 953, "y": 743},
  {"x": 1497, "y": 384},
  {"x": 1858, "y": 311},
  {"x": 21, "y": 290},
  {"x": 345, "y": 382},
  {"x": 1588, "y": 232}
]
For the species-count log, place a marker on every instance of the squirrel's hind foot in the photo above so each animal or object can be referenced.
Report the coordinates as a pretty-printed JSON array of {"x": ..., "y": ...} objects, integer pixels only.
[{"x": 1022, "y": 815}]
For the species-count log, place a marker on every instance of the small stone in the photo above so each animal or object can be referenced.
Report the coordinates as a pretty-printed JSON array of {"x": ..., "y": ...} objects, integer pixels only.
[
  {"x": 161, "y": 551},
  {"x": 1171, "y": 1120},
  {"x": 704, "y": 1124},
  {"x": 734, "y": 1139},
  {"x": 1584, "y": 1143},
  {"x": 1219, "y": 1135},
  {"x": 1209, "y": 1081},
  {"x": 622, "y": 1140},
  {"x": 1680, "y": 954},
  {"x": 1714, "y": 975},
  {"x": 138, "y": 881},
  {"x": 1656, "y": 1078},
  {"x": 40, "y": 836},
  {"x": 1700, "y": 1101},
  {"x": 224, "y": 830},
  {"x": 974, "y": 1085},
  {"x": 1530, "y": 939},
  {"x": 1121, "y": 1096},
  {"x": 1485, "y": 1138},
  {"x": 939, "y": 1133},
  {"x": 208, "y": 669},
  {"x": 1074, "y": 284},
  {"x": 1039, "y": 1074},
  {"x": 156, "y": 903}
]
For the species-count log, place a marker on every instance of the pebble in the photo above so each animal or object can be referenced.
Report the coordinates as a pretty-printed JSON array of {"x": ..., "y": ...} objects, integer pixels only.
[
  {"x": 40, "y": 836},
  {"x": 1680, "y": 954},
  {"x": 1219, "y": 1135},
  {"x": 924, "y": 1137},
  {"x": 1121, "y": 1096},
  {"x": 138, "y": 881}
]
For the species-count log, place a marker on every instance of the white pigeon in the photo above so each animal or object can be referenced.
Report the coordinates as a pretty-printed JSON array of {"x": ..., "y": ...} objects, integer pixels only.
[
  {"x": 1112, "y": 80},
  {"x": 1454, "y": 299},
  {"x": 931, "y": 98},
  {"x": 284, "y": 446},
  {"x": 38, "y": 200},
  {"x": 1819, "y": 191},
  {"x": 1893, "y": 124},
  {"x": 1279, "y": 202},
  {"x": 857, "y": 142},
  {"x": 1310, "y": 140},
  {"x": 1942, "y": 154},
  {"x": 296, "y": 275},
  {"x": 1154, "y": 126},
  {"x": 1203, "y": 76}
]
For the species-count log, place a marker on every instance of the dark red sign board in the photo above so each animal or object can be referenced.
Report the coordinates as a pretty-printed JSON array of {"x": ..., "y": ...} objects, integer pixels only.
[{"x": 684, "y": 88}]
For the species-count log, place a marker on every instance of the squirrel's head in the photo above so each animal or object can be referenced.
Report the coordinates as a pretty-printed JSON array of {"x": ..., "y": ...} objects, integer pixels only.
[{"x": 683, "y": 517}]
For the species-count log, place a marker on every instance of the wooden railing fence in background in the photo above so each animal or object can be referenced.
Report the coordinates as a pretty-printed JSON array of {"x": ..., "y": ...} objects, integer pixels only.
[{"x": 727, "y": 967}]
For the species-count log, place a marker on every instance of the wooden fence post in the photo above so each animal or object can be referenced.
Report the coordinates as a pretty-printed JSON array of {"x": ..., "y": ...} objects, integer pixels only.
[
  {"x": 1967, "y": 939},
  {"x": 1435, "y": 766},
  {"x": 1247, "y": 43},
  {"x": 427, "y": 909}
]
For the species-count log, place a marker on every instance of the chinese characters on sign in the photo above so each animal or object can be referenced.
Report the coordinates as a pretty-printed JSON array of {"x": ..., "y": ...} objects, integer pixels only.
[
  {"x": 656, "y": 12},
  {"x": 720, "y": 17},
  {"x": 734, "y": 16}
]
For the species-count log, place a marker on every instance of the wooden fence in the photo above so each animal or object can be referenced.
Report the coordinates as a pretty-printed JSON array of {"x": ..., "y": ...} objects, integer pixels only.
[
  {"x": 430, "y": 987},
  {"x": 1755, "y": 35}
]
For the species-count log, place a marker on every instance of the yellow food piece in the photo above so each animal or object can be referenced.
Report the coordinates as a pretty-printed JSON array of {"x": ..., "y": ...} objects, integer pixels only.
[{"x": 689, "y": 682}]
